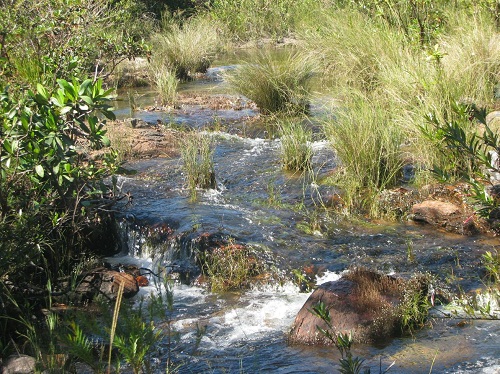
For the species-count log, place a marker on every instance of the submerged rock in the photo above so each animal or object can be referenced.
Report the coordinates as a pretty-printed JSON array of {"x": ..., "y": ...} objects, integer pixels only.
[{"x": 445, "y": 215}]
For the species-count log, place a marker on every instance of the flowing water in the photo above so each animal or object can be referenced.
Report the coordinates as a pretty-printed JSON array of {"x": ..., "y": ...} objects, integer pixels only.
[{"x": 257, "y": 204}]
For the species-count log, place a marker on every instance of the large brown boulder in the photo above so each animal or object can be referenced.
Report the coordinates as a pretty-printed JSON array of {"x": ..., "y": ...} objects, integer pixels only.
[{"x": 362, "y": 302}]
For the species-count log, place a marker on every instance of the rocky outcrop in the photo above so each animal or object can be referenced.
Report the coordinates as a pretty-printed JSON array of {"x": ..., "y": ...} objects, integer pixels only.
[{"x": 362, "y": 303}]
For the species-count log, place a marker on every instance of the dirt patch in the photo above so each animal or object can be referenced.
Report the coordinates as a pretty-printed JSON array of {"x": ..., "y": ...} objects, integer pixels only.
[{"x": 144, "y": 142}]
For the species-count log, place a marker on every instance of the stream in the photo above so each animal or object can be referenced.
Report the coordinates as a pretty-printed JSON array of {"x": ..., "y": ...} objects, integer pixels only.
[{"x": 246, "y": 333}]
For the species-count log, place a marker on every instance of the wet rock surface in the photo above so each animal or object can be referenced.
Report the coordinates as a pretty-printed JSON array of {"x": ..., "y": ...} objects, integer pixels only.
[{"x": 363, "y": 304}]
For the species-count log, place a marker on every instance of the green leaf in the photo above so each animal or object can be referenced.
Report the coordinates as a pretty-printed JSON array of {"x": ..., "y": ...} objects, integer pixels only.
[
  {"x": 39, "y": 171},
  {"x": 42, "y": 91},
  {"x": 7, "y": 146},
  {"x": 65, "y": 110},
  {"x": 105, "y": 141},
  {"x": 69, "y": 90},
  {"x": 87, "y": 99},
  {"x": 84, "y": 86}
]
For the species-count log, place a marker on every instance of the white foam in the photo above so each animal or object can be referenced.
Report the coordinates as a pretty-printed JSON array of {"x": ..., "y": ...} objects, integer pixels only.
[{"x": 328, "y": 276}]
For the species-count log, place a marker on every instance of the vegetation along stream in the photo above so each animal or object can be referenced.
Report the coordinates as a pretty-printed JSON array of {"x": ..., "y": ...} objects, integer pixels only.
[
  {"x": 283, "y": 217},
  {"x": 240, "y": 186}
]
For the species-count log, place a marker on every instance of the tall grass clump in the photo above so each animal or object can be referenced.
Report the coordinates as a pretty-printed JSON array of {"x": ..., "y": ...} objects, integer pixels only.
[
  {"x": 368, "y": 146},
  {"x": 166, "y": 84},
  {"x": 296, "y": 148},
  {"x": 462, "y": 68},
  {"x": 250, "y": 20},
  {"x": 276, "y": 82},
  {"x": 197, "y": 155},
  {"x": 350, "y": 48},
  {"x": 184, "y": 48}
]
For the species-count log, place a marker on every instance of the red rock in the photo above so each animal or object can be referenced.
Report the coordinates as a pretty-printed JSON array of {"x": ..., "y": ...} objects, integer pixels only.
[{"x": 142, "y": 281}]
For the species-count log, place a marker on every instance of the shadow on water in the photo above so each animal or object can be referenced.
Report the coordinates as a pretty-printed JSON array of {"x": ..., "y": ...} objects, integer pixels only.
[{"x": 256, "y": 203}]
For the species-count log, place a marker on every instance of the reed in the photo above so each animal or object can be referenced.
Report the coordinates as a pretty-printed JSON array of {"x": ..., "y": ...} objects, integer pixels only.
[
  {"x": 277, "y": 83},
  {"x": 166, "y": 84}
]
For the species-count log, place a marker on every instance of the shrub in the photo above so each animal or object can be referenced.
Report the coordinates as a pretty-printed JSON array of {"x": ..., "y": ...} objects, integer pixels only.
[
  {"x": 249, "y": 19},
  {"x": 51, "y": 194},
  {"x": 276, "y": 82},
  {"x": 62, "y": 40}
]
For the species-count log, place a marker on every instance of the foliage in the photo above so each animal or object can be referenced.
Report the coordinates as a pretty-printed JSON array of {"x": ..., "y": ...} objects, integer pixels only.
[
  {"x": 184, "y": 48},
  {"x": 352, "y": 49},
  {"x": 342, "y": 341},
  {"x": 166, "y": 84},
  {"x": 52, "y": 199},
  {"x": 276, "y": 83},
  {"x": 197, "y": 157},
  {"x": 491, "y": 262},
  {"x": 419, "y": 20},
  {"x": 61, "y": 39},
  {"x": 470, "y": 154},
  {"x": 296, "y": 148}
]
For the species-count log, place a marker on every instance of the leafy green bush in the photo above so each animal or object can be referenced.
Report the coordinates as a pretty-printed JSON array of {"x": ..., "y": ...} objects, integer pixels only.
[
  {"x": 53, "y": 203},
  {"x": 61, "y": 39},
  {"x": 276, "y": 82}
]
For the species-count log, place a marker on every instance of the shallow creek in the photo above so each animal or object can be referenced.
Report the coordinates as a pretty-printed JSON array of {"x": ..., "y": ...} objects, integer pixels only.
[{"x": 247, "y": 332}]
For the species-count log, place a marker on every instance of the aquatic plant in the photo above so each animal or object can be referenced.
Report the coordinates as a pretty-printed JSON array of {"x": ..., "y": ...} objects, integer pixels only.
[
  {"x": 343, "y": 342},
  {"x": 296, "y": 148},
  {"x": 491, "y": 262},
  {"x": 229, "y": 267},
  {"x": 197, "y": 156},
  {"x": 276, "y": 82}
]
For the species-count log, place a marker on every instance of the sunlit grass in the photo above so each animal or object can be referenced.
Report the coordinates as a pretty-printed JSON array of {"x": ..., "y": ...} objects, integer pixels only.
[
  {"x": 296, "y": 148},
  {"x": 276, "y": 82},
  {"x": 185, "y": 49}
]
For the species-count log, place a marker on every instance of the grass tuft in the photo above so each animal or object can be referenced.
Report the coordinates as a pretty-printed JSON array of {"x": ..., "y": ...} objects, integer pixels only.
[
  {"x": 197, "y": 154},
  {"x": 296, "y": 148},
  {"x": 277, "y": 83},
  {"x": 185, "y": 49}
]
